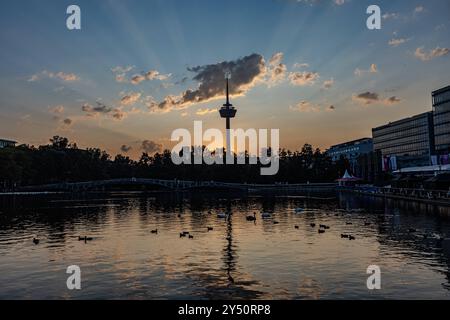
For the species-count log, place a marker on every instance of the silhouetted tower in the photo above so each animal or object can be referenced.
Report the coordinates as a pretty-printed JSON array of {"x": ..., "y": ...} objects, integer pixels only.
[{"x": 228, "y": 112}]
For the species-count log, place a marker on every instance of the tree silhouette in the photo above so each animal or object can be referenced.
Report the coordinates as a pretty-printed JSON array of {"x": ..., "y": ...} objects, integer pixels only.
[{"x": 63, "y": 161}]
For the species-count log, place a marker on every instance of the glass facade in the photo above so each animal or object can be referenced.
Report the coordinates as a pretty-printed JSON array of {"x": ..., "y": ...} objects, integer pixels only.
[
  {"x": 351, "y": 150},
  {"x": 441, "y": 110},
  {"x": 410, "y": 140},
  {"x": 7, "y": 143}
]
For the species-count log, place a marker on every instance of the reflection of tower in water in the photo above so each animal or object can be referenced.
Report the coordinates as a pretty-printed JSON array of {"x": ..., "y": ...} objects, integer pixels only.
[{"x": 229, "y": 257}]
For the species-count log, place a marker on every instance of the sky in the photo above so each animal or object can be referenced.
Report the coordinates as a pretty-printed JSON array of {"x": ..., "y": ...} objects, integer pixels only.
[{"x": 137, "y": 70}]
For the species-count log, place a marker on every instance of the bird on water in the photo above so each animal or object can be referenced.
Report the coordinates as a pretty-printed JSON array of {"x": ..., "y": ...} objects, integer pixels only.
[{"x": 252, "y": 218}]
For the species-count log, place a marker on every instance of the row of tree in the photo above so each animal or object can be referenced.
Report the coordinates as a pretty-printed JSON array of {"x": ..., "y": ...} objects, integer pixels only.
[{"x": 62, "y": 161}]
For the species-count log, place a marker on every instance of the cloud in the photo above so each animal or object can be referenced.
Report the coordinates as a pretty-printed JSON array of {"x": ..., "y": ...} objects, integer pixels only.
[
  {"x": 440, "y": 27},
  {"x": 246, "y": 73},
  {"x": 277, "y": 69},
  {"x": 419, "y": 9},
  {"x": 120, "y": 69},
  {"x": 59, "y": 89},
  {"x": 404, "y": 16},
  {"x": 430, "y": 55},
  {"x": 124, "y": 148},
  {"x": 149, "y": 76},
  {"x": 373, "y": 69},
  {"x": 392, "y": 100},
  {"x": 130, "y": 98},
  {"x": 150, "y": 103},
  {"x": 305, "y": 106},
  {"x": 57, "y": 110},
  {"x": 33, "y": 78},
  {"x": 328, "y": 84},
  {"x": 65, "y": 123},
  {"x": 121, "y": 72},
  {"x": 313, "y": 2},
  {"x": 65, "y": 76},
  {"x": 101, "y": 109},
  {"x": 367, "y": 98},
  {"x": 151, "y": 146},
  {"x": 204, "y": 112},
  {"x": 121, "y": 75},
  {"x": 300, "y": 65},
  {"x": 68, "y": 77},
  {"x": 397, "y": 41},
  {"x": 121, "y": 78},
  {"x": 390, "y": 15},
  {"x": 137, "y": 79},
  {"x": 303, "y": 78},
  {"x": 118, "y": 114},
  {"x": 58, "y": 114}
]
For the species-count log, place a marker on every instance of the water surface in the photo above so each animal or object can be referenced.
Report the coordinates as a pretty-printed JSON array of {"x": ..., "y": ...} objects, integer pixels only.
[{"x": 238, "y": 259}]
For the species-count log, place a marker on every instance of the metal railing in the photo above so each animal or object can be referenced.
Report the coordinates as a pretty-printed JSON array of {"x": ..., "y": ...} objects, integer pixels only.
[{"x": 422, "y": 194}]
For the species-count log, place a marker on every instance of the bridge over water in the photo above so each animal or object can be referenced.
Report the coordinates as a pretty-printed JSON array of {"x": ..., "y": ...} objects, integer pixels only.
[{"x": 179, "y": 185}]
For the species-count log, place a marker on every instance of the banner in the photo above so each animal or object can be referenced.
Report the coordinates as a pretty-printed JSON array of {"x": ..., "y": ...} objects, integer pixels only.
[{"x": 434, "y": 160}]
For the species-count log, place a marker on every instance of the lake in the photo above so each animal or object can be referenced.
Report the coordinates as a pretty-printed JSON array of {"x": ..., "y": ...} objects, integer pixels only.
[{"x": 237, "y": 259}]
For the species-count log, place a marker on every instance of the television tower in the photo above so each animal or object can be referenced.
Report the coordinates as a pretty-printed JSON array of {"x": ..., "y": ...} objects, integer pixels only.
[{"x": 228, "y": 112}]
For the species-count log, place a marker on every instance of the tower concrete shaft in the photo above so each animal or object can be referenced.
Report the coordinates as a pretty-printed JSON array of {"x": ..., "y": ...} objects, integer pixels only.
[{"x": 228, "y": 112}]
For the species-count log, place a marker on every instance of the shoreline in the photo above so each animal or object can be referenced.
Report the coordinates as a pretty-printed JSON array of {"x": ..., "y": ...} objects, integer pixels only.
[{"x": 439, "y": 202}]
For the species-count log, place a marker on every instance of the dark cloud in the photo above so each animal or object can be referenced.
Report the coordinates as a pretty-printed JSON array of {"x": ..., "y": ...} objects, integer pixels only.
[
  {"x": 372, "y": 97},
  {"x": 392, "y": 100},
  {"x": 245, "y": 72},
  {"x": 151, "y": 146},
  {"x": 130, "y": 98},
  {"x": 101, "y": 109},
  {"x": 125, "y": 148},
  {"x": 118, "y": 114},
  {"x": 367, "y": 97},
  {"x": 67, "y": 122}
]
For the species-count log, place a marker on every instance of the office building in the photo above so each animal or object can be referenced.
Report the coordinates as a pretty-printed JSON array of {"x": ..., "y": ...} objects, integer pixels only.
[
  {"x": 441, "y": 112},
  {"x": 405, "y": 143},
  {"x": 352, "y": 151},
  {"x": 7, "y": 143}
]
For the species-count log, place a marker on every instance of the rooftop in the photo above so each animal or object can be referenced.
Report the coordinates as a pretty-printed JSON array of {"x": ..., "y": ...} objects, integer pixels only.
[
  {"x": 350, "y": 143},
  {"x": 403, "y": 120},
  {"x": 447, "y": 88},
  {"x": 8, "y": 141}
]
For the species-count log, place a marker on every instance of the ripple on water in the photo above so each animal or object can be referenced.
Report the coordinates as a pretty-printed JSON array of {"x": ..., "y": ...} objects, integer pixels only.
[{"x": 238, "y": 259}]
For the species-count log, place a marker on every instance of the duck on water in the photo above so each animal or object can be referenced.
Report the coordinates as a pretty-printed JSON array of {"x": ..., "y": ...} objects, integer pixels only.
[
  {"x": 266, "y": 215},
  {"x": 252, "y": 218},
  {"x": 222, "y": 215}
]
